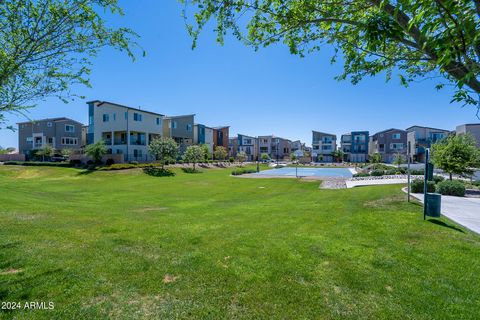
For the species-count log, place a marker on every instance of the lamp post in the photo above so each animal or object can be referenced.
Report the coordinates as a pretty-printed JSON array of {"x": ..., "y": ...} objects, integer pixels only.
[
  {"x": 408, "y": 170},
  {"x": 258, "y": 153}
]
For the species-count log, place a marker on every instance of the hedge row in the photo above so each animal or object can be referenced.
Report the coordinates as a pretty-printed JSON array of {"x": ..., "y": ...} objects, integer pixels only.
[
  {"x": 38, "y": 163},
  {"x": 444, "y": 187},
  {"x": 239, "y": 172}
]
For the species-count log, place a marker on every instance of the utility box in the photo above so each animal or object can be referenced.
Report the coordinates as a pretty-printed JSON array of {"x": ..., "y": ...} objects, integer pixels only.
[{"x": 433, "y": 205}]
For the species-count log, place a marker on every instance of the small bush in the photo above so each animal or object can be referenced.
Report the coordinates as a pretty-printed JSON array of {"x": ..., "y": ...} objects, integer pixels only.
[
  {"x": 361, "y": 174},
  {"x": 38, "y": 164},
  {"x": 377, "y": 173},
  {"x": 133, "y": 162},
  {"x": 109, "y": 162},
  {"x": 451, "y": 188},
  {"x": 417, "y": 186},
  {"x": 231, "y": 159},
  {"x": 76, "y": 163},
  {"x": 476, "y": 183},
  {"x": 417, "y": 172},
  {"x": 158, "y": 172},
  {"x": 191, "y": 170},
  {"x": 240, "y": 171},
  {"x": 180, "y": 161},
  {"x": 438, "y": 179}
]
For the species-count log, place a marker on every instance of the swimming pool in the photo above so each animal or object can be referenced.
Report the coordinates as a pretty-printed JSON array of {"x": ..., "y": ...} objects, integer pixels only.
[{"x": 308, "y": 172}]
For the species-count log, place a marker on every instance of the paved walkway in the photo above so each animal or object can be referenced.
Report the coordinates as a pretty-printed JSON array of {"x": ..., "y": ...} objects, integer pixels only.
[
  {"x": 464, "y": 211},
  {"x": 373, "y": 182}
]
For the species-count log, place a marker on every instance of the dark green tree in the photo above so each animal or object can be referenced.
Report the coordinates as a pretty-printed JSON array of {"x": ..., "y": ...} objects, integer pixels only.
[
  {"x": 456, "y": 154},
  {"x": 47, "y": 45}
]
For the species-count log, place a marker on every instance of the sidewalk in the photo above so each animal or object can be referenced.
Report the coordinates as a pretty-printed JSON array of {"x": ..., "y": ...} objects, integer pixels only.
[{"x": 464, "y": 211}]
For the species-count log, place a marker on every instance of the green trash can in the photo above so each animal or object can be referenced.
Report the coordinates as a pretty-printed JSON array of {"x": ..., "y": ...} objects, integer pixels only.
[{"x": 434, "y": 201}]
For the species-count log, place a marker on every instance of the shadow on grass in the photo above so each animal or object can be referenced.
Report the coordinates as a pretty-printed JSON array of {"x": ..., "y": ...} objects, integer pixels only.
[
  {"x": 87, "y": 171},
  {"x": 446, "y": 225},
  {"x": 158, "y": 172}
]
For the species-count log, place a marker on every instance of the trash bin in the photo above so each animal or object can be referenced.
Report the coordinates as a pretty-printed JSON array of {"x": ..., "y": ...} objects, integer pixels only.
[{"x": 434, "y": 201}]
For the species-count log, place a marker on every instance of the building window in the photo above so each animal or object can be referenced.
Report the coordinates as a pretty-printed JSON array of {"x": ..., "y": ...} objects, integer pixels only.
[
  {"x": 396, "y": 136},
  {"x": 158, "y": 121},
  {"x": 189, "y": 127},
  {"x": 174, "y": 124},
  {"x": 50, "y": 140},
  {"x": 69, "y": 128},
  {"x": 137, "y": 153},
  {"x": 105, "y": 117},
  {"x": 137, "y": 117},
  {"x": 69, "y": 141},
  {"x": 29, "y": 139},
  {"x": 49, "y": 124},
  {"x": 396, "y": 146},
  {"x": 114, "y": 117},
  {"x": 126, "y": 115}
]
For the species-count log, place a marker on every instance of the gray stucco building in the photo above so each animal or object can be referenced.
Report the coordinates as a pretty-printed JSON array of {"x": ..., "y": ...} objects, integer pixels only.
[
  {"x": 60, "y": 133},
  {"x": 388, "y": 143}
]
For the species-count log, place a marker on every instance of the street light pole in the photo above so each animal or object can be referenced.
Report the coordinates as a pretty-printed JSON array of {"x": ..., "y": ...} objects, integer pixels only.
[{"x": 408, "y": 170}]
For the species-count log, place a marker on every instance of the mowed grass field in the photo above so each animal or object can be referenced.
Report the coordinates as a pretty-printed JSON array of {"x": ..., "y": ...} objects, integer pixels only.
[{"x": 127, "y": 245}]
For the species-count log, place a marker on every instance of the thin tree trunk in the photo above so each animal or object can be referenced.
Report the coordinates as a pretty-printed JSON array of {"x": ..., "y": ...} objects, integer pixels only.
[{"x": 450, "y": 176}]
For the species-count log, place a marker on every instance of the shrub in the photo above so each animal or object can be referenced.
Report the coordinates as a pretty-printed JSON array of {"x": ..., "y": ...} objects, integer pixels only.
[
  {"x": 180, "y": 161},
  {"x": 76, "y": 162},
  {"x": 417, "y": 172},
  {"x": 89, "y": 162},
  {"x": 133, "y": 162},
  {"x": 231, "y": 159},
  {"x": 451, "y": 188},
  {"x": 158, "y": 172},
  {"x": 109, "y": 162},
  {"x": 361, "y": 174},
  {"x": 476, "y": 183},
  {"x": 377, "y": 173},
  {"x": 38, "y": 164},
  {"x": 417, "y": 186},
  {"x": 240, "y": 171},
  {"x": 438, "y": 179},
  {"x": 191, "y": 170}
]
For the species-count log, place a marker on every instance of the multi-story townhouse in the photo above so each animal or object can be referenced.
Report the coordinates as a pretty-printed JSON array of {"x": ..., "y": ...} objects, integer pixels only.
[
  {"x": 297, "y": 146},
  {"x": 470, "y": 128},
  {"x": 276, "y": 147},
  {"x": 249, "y": 145},
  {"x": 180, "y": 129},
  {"x": 323, "y": 145},
  {"x": 388, "y": 143},
  {"x": 355, "y": 146},
  {"x": 419, "y": 138},
  {"x": 59, "y": 133},
  {"x": 125, "y": 130},
  {"x": 203, "y": 135},
  {"x": 232, "y": 147},
  {"x": 220, "y": 136}
]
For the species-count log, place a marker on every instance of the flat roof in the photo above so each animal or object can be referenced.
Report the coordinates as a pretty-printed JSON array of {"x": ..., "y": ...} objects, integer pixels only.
[
  {"x": 51, "y": 119},
  {"x": 325, "y": 133},
  {"x": 180, "y": 116},
  {"x": 124, "y": 106},
  {"x": 426, "y": 128}
]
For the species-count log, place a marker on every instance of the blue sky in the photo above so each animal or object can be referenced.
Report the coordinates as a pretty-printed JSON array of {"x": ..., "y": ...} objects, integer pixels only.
[{"x": 256, "y": 93}]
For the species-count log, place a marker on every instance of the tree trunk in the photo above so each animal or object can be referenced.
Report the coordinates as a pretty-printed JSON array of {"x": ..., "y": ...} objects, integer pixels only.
[{"x": 450, "y": 176}]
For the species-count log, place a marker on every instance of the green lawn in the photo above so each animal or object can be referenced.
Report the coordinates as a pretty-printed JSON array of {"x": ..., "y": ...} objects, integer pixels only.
[{"x": 127, "y": 245}]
